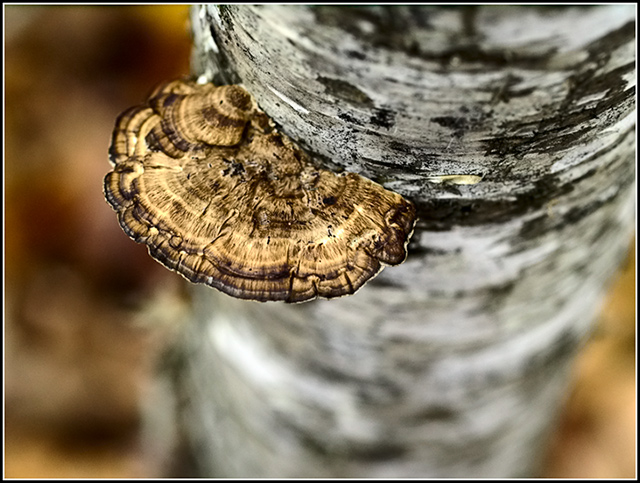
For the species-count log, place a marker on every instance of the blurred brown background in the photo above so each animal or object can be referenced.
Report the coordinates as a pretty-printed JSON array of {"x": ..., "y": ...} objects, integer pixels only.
[{"x": 88, "y": 311}]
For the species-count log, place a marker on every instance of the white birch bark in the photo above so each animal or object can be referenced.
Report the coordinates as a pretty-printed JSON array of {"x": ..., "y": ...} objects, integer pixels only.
[{"x": 453, "y": 364}]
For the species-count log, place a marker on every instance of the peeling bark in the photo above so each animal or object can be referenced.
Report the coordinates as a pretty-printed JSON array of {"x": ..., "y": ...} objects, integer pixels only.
[{"x": 453, "y": 364}]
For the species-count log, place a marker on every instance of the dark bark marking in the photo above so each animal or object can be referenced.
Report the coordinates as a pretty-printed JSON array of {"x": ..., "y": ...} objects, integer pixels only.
[
  {"x": 349, "y": 118},
  {"x": 383, "y": 117},
  {"x": 345, "y": 91}
]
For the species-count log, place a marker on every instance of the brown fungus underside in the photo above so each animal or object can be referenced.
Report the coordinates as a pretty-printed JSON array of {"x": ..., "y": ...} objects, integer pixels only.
[{"x": 217, "y": 194}]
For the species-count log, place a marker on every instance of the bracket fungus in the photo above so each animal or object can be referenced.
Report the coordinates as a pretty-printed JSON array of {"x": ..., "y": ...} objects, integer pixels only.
[{"x": 203, "y": 178}]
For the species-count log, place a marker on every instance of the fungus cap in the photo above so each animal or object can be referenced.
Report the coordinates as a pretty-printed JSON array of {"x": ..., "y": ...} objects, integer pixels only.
[{"x": 202, "y": 177}]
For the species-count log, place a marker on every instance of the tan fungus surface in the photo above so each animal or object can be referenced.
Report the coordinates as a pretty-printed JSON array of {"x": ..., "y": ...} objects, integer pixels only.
[{"x": 203, "y": 178}]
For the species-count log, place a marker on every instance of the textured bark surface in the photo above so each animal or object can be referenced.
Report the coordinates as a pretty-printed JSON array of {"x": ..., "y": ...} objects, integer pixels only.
[{"x": 454, "y": 363}]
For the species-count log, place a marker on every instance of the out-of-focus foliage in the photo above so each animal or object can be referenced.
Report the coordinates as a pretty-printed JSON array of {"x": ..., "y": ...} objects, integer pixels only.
[
  {"x": 77, "y": 357},
  {"x": 596, "y": 435}
]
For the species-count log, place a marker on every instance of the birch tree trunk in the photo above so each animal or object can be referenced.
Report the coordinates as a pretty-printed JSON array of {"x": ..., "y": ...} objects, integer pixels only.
[{"x": 453, "y": 364}]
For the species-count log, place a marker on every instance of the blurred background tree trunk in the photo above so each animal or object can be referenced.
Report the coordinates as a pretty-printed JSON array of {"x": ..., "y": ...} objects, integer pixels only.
[{"x": 512, "y": 129}]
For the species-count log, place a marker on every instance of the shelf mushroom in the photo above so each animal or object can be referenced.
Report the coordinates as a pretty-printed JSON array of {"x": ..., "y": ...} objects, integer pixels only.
[{"x": 203, "y": 178}]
